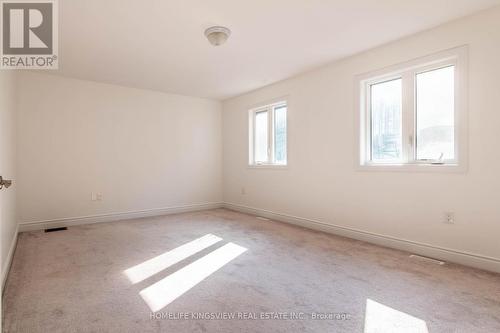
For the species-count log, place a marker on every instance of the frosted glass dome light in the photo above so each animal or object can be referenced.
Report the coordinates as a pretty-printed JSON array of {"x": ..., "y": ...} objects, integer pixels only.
[{"x": 217, "y": 35}]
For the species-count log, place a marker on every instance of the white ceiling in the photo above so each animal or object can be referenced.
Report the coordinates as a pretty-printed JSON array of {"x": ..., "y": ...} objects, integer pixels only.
[{"x": 159, "y": 44}]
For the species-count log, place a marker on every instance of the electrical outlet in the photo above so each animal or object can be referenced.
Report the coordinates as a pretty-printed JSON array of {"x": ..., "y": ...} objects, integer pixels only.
[
  {"x": 449, "y": 218},
  {"x": 95, "y": 196}
]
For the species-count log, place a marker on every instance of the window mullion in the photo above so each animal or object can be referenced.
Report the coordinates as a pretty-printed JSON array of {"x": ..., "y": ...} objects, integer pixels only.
[
  {"x": 459, "y": 81},
  {"x": 254, "y": 136},
  {"x": 368, "y": 127},
  {"x": 270, "y": 140},
  {"x": 408, "y": 117}
]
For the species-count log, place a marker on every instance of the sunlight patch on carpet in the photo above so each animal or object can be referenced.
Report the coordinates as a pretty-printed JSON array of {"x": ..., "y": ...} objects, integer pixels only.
[
  {"x": 165, "y": 291},
  {"x": 380, "y": 318},
  {"x": 155, "y": 265}
]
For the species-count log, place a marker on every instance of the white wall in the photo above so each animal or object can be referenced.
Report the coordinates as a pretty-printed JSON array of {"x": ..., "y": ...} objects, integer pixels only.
[
  {"x": 321, "y": 182},
  {"x": 8, "y": 223},
  {"x": 141, "y": 149}
]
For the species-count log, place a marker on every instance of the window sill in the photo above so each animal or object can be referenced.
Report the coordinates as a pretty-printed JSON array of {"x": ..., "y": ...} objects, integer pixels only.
[
  {"x": 268, "y": 166},
  {"x": 420, "y": 167}
]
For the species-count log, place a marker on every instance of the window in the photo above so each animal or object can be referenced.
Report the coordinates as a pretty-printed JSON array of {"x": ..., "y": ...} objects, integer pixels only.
[
  {"x": 268, "y": 135},
  {"x": 435, "y": 114},
  {"x": 413, "y": 115},
  {"x": 386, "y": 131}
]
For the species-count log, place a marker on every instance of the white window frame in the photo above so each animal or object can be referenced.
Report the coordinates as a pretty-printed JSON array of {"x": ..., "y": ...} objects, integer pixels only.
[
  {"x": 407, "y": 72},
  {"x": 270, "y": 163}
]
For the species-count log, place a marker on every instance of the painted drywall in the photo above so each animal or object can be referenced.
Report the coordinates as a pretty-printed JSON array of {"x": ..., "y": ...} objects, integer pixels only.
[
  {"x": 321, "y": 182},
  {"x": 8, "y": 223},
  {"x": 175, "y": 56},
  {"x": 140, "y": 149}
]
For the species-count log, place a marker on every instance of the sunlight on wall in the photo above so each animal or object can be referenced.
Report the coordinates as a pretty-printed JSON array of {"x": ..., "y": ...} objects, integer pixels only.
[
  {"x": 163, "y": 292},
  {"x": 155, "y": 265},
  {"x": 380, "y": 318}
]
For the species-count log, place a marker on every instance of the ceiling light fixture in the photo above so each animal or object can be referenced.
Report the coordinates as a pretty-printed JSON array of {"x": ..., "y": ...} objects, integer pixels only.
[{"x": 217, "y": 35}]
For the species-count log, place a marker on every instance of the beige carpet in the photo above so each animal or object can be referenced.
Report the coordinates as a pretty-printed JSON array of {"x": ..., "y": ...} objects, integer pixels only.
[{"x": 263, "y": 276}]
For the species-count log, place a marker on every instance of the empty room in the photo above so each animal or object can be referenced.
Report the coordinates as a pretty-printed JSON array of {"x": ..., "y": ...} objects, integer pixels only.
[{"x": 250, "y": 166}]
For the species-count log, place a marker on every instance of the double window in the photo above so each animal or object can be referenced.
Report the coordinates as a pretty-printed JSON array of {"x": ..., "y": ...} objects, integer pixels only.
[
  {"x": 268, "y": 135},
  {"x": 413, "y": 114}
]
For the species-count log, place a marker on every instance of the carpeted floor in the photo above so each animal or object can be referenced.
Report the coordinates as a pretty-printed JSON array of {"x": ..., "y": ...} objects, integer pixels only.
[{"x": 263, "y": 276}]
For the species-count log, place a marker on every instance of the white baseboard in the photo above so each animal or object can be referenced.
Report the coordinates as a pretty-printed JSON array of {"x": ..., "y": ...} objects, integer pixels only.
[
  {"x": 71, "y": 221},
  {"x": 450, "y": 255},
  {"x": 10, "y": 256}
]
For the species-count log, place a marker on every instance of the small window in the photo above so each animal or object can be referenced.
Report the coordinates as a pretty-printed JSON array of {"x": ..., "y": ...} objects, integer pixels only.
[
  {"x": 261, "y": 137},
  {"x": 435, "y": 112},
  {"x": 386, "y": 130},
  {"x": 409, "y": 114},
  {"x": 268, "y": 135}
]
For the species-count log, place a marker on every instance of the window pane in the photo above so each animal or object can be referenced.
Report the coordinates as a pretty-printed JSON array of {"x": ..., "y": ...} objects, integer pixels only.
[
  {"x": 435, "y": 114},
  {"x": 261, "y": 137},
  {"x": 280, "y": 134},
  {"x": 386, "y": 137}
]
